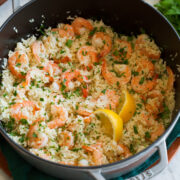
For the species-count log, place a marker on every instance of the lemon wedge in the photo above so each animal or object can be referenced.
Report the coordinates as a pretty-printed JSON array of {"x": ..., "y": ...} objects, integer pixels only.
[
  {"x": 126, "y": 107},
  {"x": 112, "y": 122}
]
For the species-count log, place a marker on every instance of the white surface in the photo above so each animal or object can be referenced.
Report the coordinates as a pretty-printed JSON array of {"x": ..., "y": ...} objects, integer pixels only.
[{"x": 172, "y": 172}]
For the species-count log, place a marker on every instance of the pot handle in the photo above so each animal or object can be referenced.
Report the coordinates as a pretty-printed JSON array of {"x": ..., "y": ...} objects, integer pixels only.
[
  {"x": 147, "y": 174},
  {"x": 156, "y": 169}
]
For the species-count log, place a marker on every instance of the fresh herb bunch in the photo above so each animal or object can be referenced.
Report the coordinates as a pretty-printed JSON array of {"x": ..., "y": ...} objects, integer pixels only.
[{"x": 171, "y": 9}]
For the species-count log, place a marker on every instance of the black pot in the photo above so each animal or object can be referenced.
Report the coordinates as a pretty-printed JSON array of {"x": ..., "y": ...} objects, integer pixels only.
[{"x": 125, "y": 17}]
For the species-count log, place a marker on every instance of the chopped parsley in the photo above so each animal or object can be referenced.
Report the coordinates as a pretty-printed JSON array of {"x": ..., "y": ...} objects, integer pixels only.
[
  {"x": 103, "y": 91},
  {"x": 15, "y": 84},
  {"x": 62, "y": 51},
  {"x": 10, "y": 124},
  {"x": 131, "y": 148},
  {"x": 166, "y": 113},
  {"x": 135, "y": 73},
  {"x": 102, "y": 29},
  {"x": 93, "y": 31},
  {"x": 24, "y": 121},
  {"x": 63, "y": 87},
  {"x": 135, "y": 129},
  {"x": 23, "y": 73},
  {"x": 18, "y": 64},
  {"x": 77, "y": 92},
  {"x": 77, "y": 107},
  {"x": 41, "y": 29},
  {"x": 69, "y": 43},
  {"x": 147, "y": 135},
  {"x": 41, "y": 99},
  {"x": 5, "y": 94},
  {"x": 34, "y": 135},
  {"x": 141, "y": 80},
  {"x": 22, "y": 138}
]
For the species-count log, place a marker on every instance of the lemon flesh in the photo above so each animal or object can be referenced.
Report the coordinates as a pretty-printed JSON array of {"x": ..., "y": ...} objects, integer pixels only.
[
  {"x": 126, "y": 107},
  {"x": 112, "y": 123}
]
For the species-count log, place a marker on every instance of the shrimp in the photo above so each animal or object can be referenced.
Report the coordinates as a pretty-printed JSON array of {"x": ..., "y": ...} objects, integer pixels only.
[
  {"x": 97, "y": 154},
  {"x": 37, "y": 49},
  {"x": 66, "y": 31},
  {"x": 60, "y": 116},
  {"x": 67, "y": 163},
  {"x": 16, "y": 61},
  {"x": 87, "y": 120},
  {"x": 154, "y": 103},
  {"x": 158, "y": 132},
  {"x": 68, "y": 139},
  {"x": 146, "y": 119},
  {"x": 23, "y": 87},
  {"x": 146, "y": 67},
  {"x": 124, "y": 74},
  {"x": 52, "y": 69},
  {"x": 80, "y": 25},
  {"x": 103, "y": 41},
  {"x": 64, "y": 59},
  {"x": 140, "y": 83},
  {"x": 23, "y": 110},
  {"x": 171, "y": 78},
  {"x": 125, "y": 150},
  {"x": 36, "y": 139},
  {"x": 87, "y": 55},
  {"x": 147, "y": 47},
  {"x": 123, "y": 51},
  {"x": 68, "y": 78},
  {"x": 83, "y": 112},
  {"x": 140, "y": 86},
  {"x": 111, "y": 98}
]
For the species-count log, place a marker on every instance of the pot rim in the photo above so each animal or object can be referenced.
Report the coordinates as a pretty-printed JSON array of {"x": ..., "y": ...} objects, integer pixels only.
[{"x": 104, "y": 166}]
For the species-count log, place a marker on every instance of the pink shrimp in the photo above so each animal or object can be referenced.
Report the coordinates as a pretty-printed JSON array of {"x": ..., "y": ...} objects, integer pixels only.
[
  {"x": 125, "y": 150},
  {"x": 18, "y": 60},
  {"x": 97, "y": 154},
  {"x": 144, "y": 66},
  {"x": 87, "y": 55},
  {"x": 87, "y": 120},
  {"x": 103, "y": 41},
  {"x": 146, "y": 119},
  {"x": 154, "y": 103},
  {"x": 37, "y": 49},
  {"x": 111, "y": 98},
  {"x": 19, "y": 110},
  {"x": 140, "y": 83},
  {"x": 124, "y": 50},
  {"x": 23, "y": 87},
  {"x": 64, "y": 59},
  {"x": 83, "y": 112},
  {"x": 68, "y": 78},
  {"x": 68, "y": 163},
  {"x": 80, "y": 25},
  {"x": 36, "y": 139},
  {"x": 171, "y": 78},
  {"x": 125, "y": 74},
  {"x": 140, "y": 86},
  {"x": 60, "y": 116},
  {"x": 158, "y": 132},
  {"x": 147, "y": 47},
  {"x": 52, "y": 69},
  {"x": 68, "y": 139},
  {"x": 66, "y": 31}
]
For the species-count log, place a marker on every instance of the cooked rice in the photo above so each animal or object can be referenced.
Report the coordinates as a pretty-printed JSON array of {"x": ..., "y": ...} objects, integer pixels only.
[{"x": 136, "y": 134}]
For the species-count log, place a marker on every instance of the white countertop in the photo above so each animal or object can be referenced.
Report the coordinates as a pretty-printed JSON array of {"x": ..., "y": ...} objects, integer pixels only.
[{"x": 172, "y": 172}]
